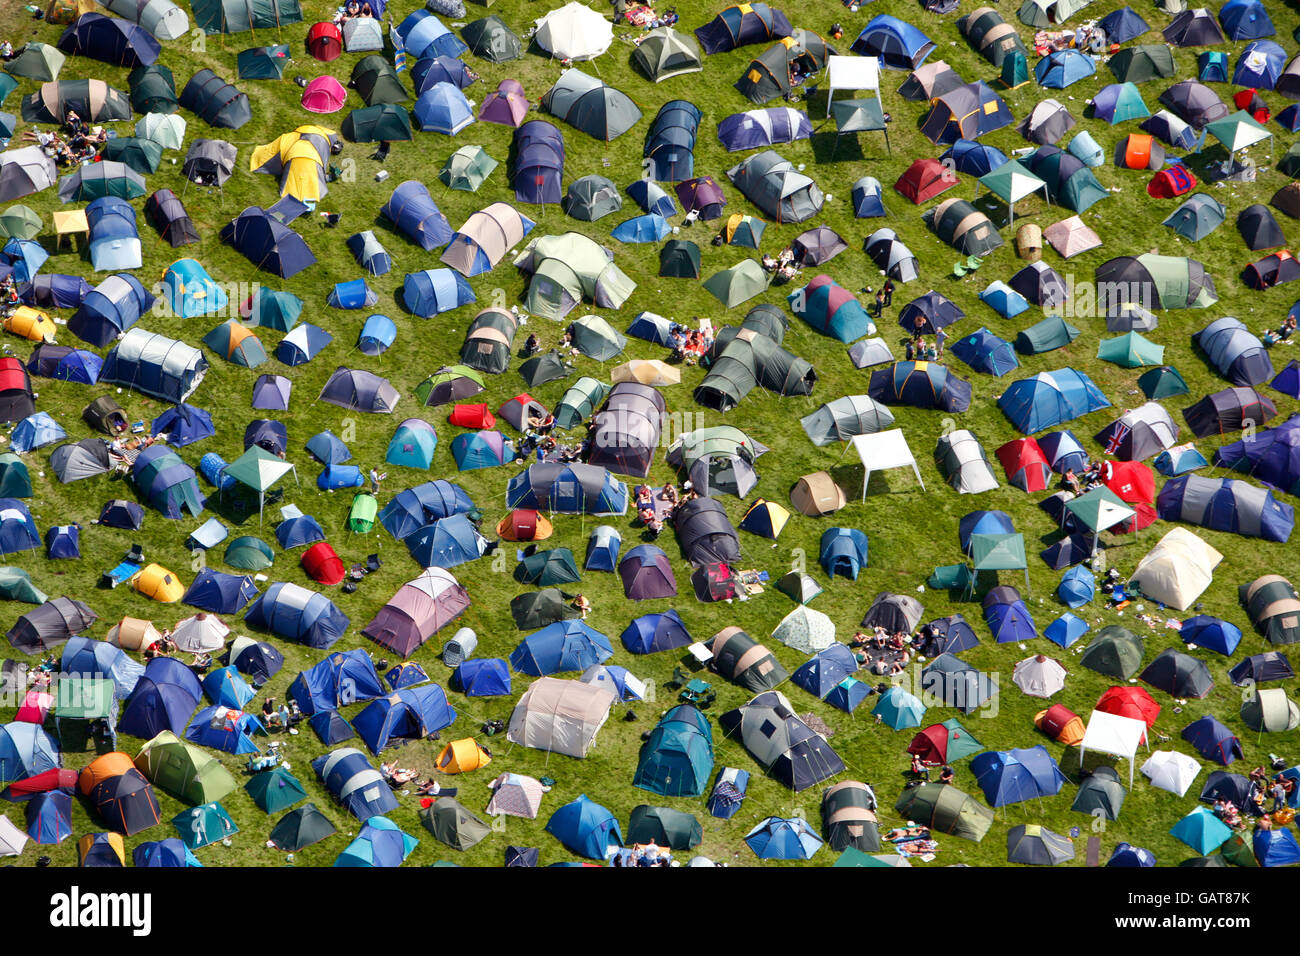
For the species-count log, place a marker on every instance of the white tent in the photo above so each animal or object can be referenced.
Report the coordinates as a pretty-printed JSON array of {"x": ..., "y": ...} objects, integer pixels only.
[
  {"x": 200, "y": 634},
  {"x": 560, "y": 716},
  {"x": 883, "y": 450},
  {"x": 805, "y": 630},
  {"x": 1121, "y": 737},
  {"x": 1170, "y": 770},
  {"x": 165, "y": 129},
  {"x": 574, "y": 32},
  {"x": 1177, "y": 570},
  {"x": 12, "y": 839},
  {"x": 852, "y": 73},
  {"x": 1039, "y": 676}
]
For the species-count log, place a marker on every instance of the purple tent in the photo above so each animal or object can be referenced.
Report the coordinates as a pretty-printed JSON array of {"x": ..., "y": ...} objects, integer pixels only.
[
  {"x": 702, "y": 194},
  {"x": 507, "y": 106},
  {"x": 647, "y": 574},
  {"x": 539, "y": 163},
  {"x": 418, "y": 610}
]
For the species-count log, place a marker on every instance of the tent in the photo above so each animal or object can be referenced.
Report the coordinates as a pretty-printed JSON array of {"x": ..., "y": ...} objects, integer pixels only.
[
  {"x": 443, "y": 108},
  {"x": 298, "y": 614},
  {"x": 418, "y": 610},
  {"x": 1062, "y": 68},
  {"x": 944, "y": 808},
  {"x": 664, "y": 53},
  {"x": 573, "y": 32},
  {"x": 1070, "y": 183},
  {"x": 1011, "y": 776},
  {"x": 1035, "y": 845},
  {"x": 359, "y": 787},
  {"x": 1049, "y": 399},
  {"x": 411, "y": 713},
  {"x": 1226, "y": 504},
  {"x": 1007, "y": 616},
  {"x": 920, "y": 384},
  {"x": 963, "y": 463},
  {"x": 374, "y": 78},
  {"x": 413, "y": 212},
  {"x": 424, "y": 35},
  {"x": 585, "y": 828},
  {"x": 990, "y": 35},
  {"x": 923, "y": 180},
  {"x": 741, "y": 25},
  {"x": 491, "y": 39},
  {"x": 560, "y": 716},
  {"x": 781, "y": 742},
  {"x": 766, "y": 127},
  {"x": 677, "y": 758},
  {"x": 899, "y": 45},
  {"x": 115, "y": 41},
  {"x": 775, "y": 71}
]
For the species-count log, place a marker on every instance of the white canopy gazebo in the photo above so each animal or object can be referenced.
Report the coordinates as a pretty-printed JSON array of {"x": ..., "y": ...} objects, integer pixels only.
[
  {"x": 852, "y": 73},
  {"x": 883, "y": 450}
]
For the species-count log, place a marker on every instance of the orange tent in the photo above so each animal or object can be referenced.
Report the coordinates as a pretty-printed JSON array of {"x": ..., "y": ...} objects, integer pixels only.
[{"x": 103, "y": 768}]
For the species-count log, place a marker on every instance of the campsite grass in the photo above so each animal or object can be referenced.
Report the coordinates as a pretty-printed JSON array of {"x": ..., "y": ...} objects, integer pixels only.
[{"x": 911, "y": 531}]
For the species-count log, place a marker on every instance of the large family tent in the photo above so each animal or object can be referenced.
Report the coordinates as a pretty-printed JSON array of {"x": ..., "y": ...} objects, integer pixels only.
[
  {"x": 154, "y": 365},
  {"x": 990, "y": 35},
  {"x": 560, "y": 716},
  {"x": 295, "y": 613},
  {"x": 786, "y": 747},
  {"x": 567, "y": 268},
  {"x": 418, "y": 610},
  {"x": 921, "y": 385},
  {"x": 767, "y": 127},
  {"x": 485, "y": 238},
  {"x": 215, "y": 101},
  {"x": 238, "y": 16},
  {"x": 777, "y": 188},
  {"x": 1235, "y": 351},
  {"x": 567, "y": 488},
  {"x": 359, "y": 787},
  {"x": 112, "y": 40},
  {"x": 1070, "y": 182},
  {"x": 93, "y": 100},
  {"x": 742, "y": 25},
  {"x": 1226, "y": 504},
  {"x": 590, "y": 105}
]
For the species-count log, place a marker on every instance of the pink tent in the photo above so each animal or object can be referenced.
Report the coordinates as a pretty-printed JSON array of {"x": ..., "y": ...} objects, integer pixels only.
[
  {"x": 324, "y": 95},
  {"x": 507, "y": 106}
]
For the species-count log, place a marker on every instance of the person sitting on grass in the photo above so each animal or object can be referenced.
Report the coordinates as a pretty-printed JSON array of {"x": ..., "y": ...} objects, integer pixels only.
[{"x": 583, "y": 605}]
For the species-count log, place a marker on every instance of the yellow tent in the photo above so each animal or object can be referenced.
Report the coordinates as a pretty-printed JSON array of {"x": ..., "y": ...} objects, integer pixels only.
[
  {"x": 298, "y": 158},
  {"x": 31, "y": 324},
  {"x": 132, "y": 634},
  {"x": 463, "y": 755},
  {"x": 66, "y": 11},
  {"x": 157, "y": 582}
]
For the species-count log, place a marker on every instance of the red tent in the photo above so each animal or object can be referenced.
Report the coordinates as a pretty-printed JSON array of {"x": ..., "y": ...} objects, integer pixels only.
[
  {"x": 1275, "y": 269},
  {"x": 472, "y": 416},
  {"x": 1174, "y": 181},
  {"x": 1252, "y": 103},
  {"x": 59, "y": 779},
  {"x": 322, "y": 564},
  {"x": 1135, "y": 484},
  {"x": 524, "y": 524},
  {"x": 1060, "y": 723},
  {"x": 1025, "y": 464},
  {"x": 36, "y": 705},
  {"x": 16, "y": 401},
  {"x": 1130, "y": 701},
  {"x": 931, "y": 744},
  {"x": 325, "y": 41},
  {"x": 925, "y": 179}
]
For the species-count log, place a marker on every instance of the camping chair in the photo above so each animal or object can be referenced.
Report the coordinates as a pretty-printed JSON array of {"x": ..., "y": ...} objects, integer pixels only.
[
  {"x": 706, "y": 701},
  {"x": 679, "y": 679}
]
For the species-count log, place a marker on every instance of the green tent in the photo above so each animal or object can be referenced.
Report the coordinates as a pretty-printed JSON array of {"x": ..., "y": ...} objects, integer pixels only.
[
  {"x": 142, "y": 155},
  {"x": 37, "y": 61},
  {"x": 263, "y": 62},
  {"x": 237, "y": 16},
  {"x": 453, "y": 824},
  {"x": 1239, "y": 131},
  {"x": 596, "y": 338},
  {"x": 944, "y": 808},
  {"x": 580, "y": 402},
  {"x": 301, "y": 828},
  {"x": 185, "y": 771},
  {"x": 1015, "y": 70},
  {"x": 679, "y": 259},
  {"x": 203, "y": 825},
  {"x": 467, "y": 168},
  {"x": 361, "y": 517},
  {"x": 258, "y": 469},
  {"x": 738, "y": 284},
  {"x": 1115, "y": 651},
  {"x": 547, "y": 568},
  {"x": 273, "y": 309},
  {"x": 376, "y": 81},
  {"x": 535, "y": 609},
  {"x": 1051, "y": 333},
  {"x": 273, "y": 790},
  {"x": 541, "y": 369},
  {"x": 1137, "y": 64},
  {"x": 249, "y": 553},
  {"x": 568, "y": 268},
  {"x": 153, "y": 90},
  {"x": 1098, "y": 510},
  {"x": 19, "y": 222},
  {"x": 999, "y": 552},
  {"x": 1197, "y": 218},
  {"x": 383, "y": 122},
  {"x": 674, "y": 829},
  {"x": 16, "y": 585},
  {"x": 457, "y": 380},
  {"x": 961, "y": 742},
  {"x": 1162, "y": 382},
  {"x": 7, "y": 85},
  {"x": 798, "y": 586},
  {"x": 664, "y": 53},
  {"x": 1270, "y": 711},
  {"x": 15, "y": 480},
  {"x": 852, "y": 856},
  {"x": 1130, "y": 350},
  {"x": 1239, "y": 851},
  {"x": 84, "y": 698}
]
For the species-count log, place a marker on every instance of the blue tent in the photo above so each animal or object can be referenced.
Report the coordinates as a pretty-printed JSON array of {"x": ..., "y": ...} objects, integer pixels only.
[
  {"x": 1010, "y": 776},
  {"x": 100, "y": 852},
  {"x": 110, "y": 309},
  {"x": 1060, "y": 69},
  {"x": 344, "y": 677},
  {"x": 295, "y": 532},
  {"x": 26, "y": 256},
  {"x": 849, "y": 694},
  {"x": 412, "y": 444},
  {"x": 823, "y": 672},
  {"x": 1116, "y": 103},
  {"x": 1007, "y": 617},
  {"x": 1259, "y": 65},
  {"x": 25, "y": 751},
  {"x": 413, "y": 508},
  {"x": 190, "y": 291},
  {"x": 1226, "y": 504},
  {"x": 899, "y": 45},
  {"x": 65, "y": 364},
  {"x": 1077, "y": 587},
  {"x": 1063, "y": 451},
  {"x": 334, "y": 477},
  {"x": 223, "y": 728},
  {"x": 1275, "y": 848},
  {"x": 539, "y": 162},
  {"x": 1004, "y": 300},
  {"x": 652, "y": 198},
  {"x": 482, "y": 677},
  {"x": 973, "y": 157},
  {"x": 1245, "y": 20},
  {"x": 899, "y": 709},
  {"x": 294, "y": 613},
  {"x": 440, "y": 69},
  {"x": 843, "y": 551},
  {"x": 169, "y": 852},
  {"x": 18, "y": 531},
  {"x": 1049, "y": 399},
  {"x": 868, "y": 198},
  {"x": 985, "y": 352},
  {"x": 480, "y": 449},
  {"x": 183, "y": 425},
  {"x": 267, "y": 243},
  {"x": 164, "y": 698},
  {"x": 648, "y": 228},
  {"x": 602, "y": 549},
  {"x": 114, "y": 239},
  {"x": 424, "y": 35},
  {"x": 921, "y": 385},
  {"x": 36, "y": 431},
  {"x": 302, "y": 344},
  {"x": 1125, "y": 854},
  {"x": 406, "y": 674},
  {"x": 219, "y": 592},
  {"x": 446, "y": 543},
  {"x": 370, "y": 255},
  {"x": 257, "y": 659},
  {"x": 411, "y": 713},
  {"x": 778, "y": 838},
  {"x": 352, "y": 294},
  {"x": 1289, "y": 119},
  {"x": 1066, "y": 629},
  {"x": 327, "y": 448},
  {"x": 656, "y": 632},
  {"x": 586, "y": 828},
  {"x": 676, "y": 759},
  {"x": 381, "y": 842},
  {"x": 1211, "y": 633},
  {"x": 567, "y": 489},
  {"x": 169, "y": 485},
  {"x": 49, "y": 817},
  {"x": 415, "y": 215},
  {"x": 226, "y": 688},
  {"x": 1212, "y": 740},
  {"x": 443, "y": 108},
  {"x": 1122, "y": 25},
  {"x": 378, "y": 333},
  {"x": 1177, "y": 461},
  {"x": 85, "y": 657},
  {"x": 54, "y": 291},
  {"x": 982, "y": 522},
  {"x": 112, "y": 40},
  {"x": 63, "y": 541},
  {"x": 435, "y": 291},
  {"x": 331, "y": 727},
  {"x": 561, "y": 646},
  {"x": 359, "y": 787}
]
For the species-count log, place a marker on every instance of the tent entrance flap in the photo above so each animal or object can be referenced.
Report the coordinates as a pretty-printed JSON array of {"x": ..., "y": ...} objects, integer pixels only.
[{"x": 883, "y": 450}]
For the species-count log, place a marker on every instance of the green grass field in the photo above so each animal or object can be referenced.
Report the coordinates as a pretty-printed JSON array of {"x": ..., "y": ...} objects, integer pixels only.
[{"x": 911, "y": 530}]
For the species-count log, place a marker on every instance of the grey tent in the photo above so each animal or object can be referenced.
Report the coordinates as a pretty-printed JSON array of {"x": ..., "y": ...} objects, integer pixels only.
[
  {"x": 489, "y": 340},
  {"x": 844, "y": 417},
  {"x": 25, "y": 171},
  {"x": 210, "y": 162},
  {"x": 786, "y": 747},
  {"x": 817, "y": 245},
  {"x": 84, "y": 459},
  {"x": 870, "y": 352},
  {"x": 1201, "y": 215},
  {"x": 591, "y": 105},
  {"x": 1115, "y": 651},
  {"x": 492, "y": 40},
  {"x": 718, "y": 460},
  {"x": 1259, "y": 228},
  {"x": 1100, "y": 794},
  {"x": 664, "y": 53},
  {"x": 1040, "y": 284},
  {"x": 50, "y": 625},
  {"x": 216, "y": 101},
  {"x": 1047, "y": 123},
  {"x": 1270, "y": 711},
  {"x": 742, "y": 660},
  {"x": 957, "y": 684},
  {"x": 359, "y": 391},
  {"x": 596, "y": 338},
  {"x": 751, "y": 355},
  {"x": 958, "y": 223},
  {"x": 772, "y": 184},
  {"x": 536, "y": 609},
  {"x": 1235, "y": 351},
  {"x": 591, "y": 197},
  {"x": 894, "y": 612},
  {"x": 1139, "y": 433},
  {"x": 889, "y": 253},
  {"x": 964, "y": 463},
  {"x": 626, "y": 435},
  {"x": 1178, "y": 674},
  {"x": 705, "y": 533}
]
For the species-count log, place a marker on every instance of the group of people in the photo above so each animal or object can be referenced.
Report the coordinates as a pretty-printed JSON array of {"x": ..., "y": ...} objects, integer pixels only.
[
  {"x": 399, "y": 777},
  {"x": 783, "y": 265},
  {"x": 281, "y": 718},
  {"x": 645, "y": 504},
  {"x": 1282, "y": 334},
  {"x": 1086, "y": 480},
  {"x": 690, "y": 345},
  {"x": 353, "y": 10},
  {"x": 8, "y": 296},
  {"x": 898, "y": 646},
  {"x": 74, "y": 144},
  {"x": 643, "y": 854}
]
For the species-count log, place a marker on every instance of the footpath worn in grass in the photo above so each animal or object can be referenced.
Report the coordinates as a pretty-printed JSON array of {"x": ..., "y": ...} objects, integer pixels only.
[{"x": 911, "y": 530}]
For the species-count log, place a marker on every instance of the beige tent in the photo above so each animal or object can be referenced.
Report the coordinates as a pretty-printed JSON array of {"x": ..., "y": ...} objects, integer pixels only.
[
  {"x": 646, "y": 372},
  {"x": 1177, "y": 570},
  {"x": 201, "y": 633},
  {"x": 485, "y": 238},
  {"x": 560, "y": 716},
  {"x": 817, "y": 494},
  {"x": 1069, "y": 237},
  {"x": 132, "y": 634}
]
